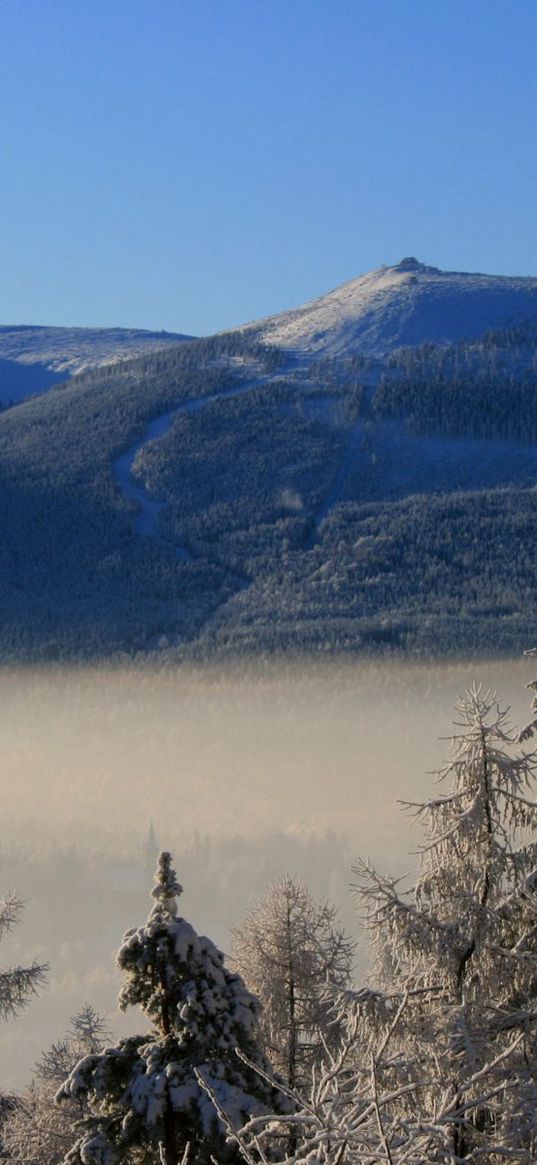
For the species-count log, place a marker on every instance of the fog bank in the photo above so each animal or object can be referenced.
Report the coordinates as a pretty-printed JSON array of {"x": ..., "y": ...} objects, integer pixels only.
[{"x": 245, "y": 773}]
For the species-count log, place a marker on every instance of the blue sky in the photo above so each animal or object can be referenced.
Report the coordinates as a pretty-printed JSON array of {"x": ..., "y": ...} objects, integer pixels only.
[{"x": 192, "y": 165}]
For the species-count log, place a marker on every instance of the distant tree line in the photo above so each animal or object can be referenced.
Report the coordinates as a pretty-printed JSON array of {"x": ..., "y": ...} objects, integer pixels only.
[{"x": 484, "y": 388}]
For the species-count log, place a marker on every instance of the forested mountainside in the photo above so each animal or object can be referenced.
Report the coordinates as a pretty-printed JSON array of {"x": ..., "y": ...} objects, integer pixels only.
[
  {"x": 227, "y": 496},
  {"x": 34, "y": 358}
]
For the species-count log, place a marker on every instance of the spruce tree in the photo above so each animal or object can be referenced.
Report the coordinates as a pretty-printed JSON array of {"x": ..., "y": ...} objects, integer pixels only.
[{"x": 145, "y": 1095}]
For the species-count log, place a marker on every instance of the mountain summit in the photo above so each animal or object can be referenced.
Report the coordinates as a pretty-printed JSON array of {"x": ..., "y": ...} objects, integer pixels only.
[{"x": 400, "y": 306}]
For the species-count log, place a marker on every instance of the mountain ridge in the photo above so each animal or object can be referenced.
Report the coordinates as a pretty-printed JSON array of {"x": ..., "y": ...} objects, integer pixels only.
[
  {"x": 407, "y": 304},
  {"x": 229, "y": 496},
  {"x": 33, "y": 357}
]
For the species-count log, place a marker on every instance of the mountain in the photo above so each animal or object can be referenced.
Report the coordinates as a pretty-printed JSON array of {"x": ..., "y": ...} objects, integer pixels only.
[
  {"x": 398, "y": 306},
  {"x": 233, "y": 495},
  {"x": 34, "y": 358}
]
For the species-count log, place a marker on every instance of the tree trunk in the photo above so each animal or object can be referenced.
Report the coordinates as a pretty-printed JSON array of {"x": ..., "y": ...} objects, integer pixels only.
[
  {"x": 292, "y": 1047},
  {"x": 168, "y": 1146}
]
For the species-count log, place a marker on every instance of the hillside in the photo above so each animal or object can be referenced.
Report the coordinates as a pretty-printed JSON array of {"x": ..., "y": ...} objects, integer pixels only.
[
  {"x": 392, "y": 307},
  {"x": 34, "y": 358},
  {"x": 226, "y": 496}
]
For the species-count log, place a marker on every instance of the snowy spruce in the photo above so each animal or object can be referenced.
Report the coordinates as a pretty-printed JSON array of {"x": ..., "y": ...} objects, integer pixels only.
[{"x": 147, "y": 1094}]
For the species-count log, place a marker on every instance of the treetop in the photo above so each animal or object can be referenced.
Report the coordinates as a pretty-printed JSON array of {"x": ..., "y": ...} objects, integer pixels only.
[{"x": 166, "y": 888}]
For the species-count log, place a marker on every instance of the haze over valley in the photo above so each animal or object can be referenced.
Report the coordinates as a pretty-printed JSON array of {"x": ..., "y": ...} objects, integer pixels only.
[
  {"x": 268, "y": 583},
  {"x": 244, "y": 773},
  {"x": 207, "y": 548}
]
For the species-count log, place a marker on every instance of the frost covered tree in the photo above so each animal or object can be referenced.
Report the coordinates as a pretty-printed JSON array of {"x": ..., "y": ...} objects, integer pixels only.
[
  {"x": 88, "y": 1032},
  {"x": 290, "y": 951},
  {"x": 146, "y": 1095},
  {"x": 36, "y": 1129},
  {"x": 439, "y": 1062},
  {"x": 339, "y": 1119},
  {"x": 17, "y": 984},
  {"x": 460, "y": 949}
]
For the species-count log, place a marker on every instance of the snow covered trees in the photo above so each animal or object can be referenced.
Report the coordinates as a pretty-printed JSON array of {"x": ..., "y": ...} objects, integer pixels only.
[
  {"x": 439, "y": 1062},
  {"x": 348, "y": 1115},
  {"x": 145, "y": 1095},
  {"x": 36, "y": 1129},
  {"x": 289, "y": 951},
  {"x": 460, "y": 949}
]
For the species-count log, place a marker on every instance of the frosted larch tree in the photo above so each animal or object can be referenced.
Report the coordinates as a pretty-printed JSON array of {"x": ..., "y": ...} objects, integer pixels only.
[
  {"x": 37, "y": 1129},
  {"x": 290, "y": 952},
  {"x": 17, "y": 984},
  {"x": 343, "y": 1117},
  {"x": 460, "y": 948},
  {"x": 439, "y": 1062},
  {"x": 145, "y": 1095}
]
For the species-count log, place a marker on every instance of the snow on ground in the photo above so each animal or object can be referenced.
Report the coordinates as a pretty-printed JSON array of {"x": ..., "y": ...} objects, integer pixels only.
[
  {"x": 391, "y": 463},
  {"x": 146, "y": 521},
  {"x": 72, "y": 350},
  {"x": 407, "y": 304},
  {"x": 34, "y": 358}
]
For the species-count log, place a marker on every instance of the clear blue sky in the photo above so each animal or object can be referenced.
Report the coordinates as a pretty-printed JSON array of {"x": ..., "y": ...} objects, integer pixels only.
[{"x": 192, "y": 164}]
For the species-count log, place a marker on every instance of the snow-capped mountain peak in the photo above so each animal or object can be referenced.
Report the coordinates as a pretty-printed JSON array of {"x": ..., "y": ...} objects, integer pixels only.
[{"x": 406, "y": 304}]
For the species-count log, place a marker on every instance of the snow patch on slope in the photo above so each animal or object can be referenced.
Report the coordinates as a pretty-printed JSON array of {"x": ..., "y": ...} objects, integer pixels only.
[
  {"x": 34, "y": 358},
  {"x": 72, "y": 350}
]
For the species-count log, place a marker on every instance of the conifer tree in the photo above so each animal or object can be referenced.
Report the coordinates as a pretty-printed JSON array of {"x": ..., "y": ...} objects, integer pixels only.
[
  {"x": 17, "y": 984},
  {"x": 460, "y": 949},
  {"x": 290, "y": 952},
  {"x": 439, "y": 1062},
  {"x": 36, "y": 1129},
  {"x": 145, "y": 1095}
]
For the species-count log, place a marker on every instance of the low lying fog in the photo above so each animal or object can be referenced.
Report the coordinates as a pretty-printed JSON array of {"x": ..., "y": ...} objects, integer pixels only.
[{"x": 246, "y": 775}]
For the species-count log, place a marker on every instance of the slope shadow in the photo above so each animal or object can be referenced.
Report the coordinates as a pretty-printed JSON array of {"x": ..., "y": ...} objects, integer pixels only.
[{"x": 17, "y": 380}]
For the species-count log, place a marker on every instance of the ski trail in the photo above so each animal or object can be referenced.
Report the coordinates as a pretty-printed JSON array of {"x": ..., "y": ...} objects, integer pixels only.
[
  {"x": 338, "y": 484},
  {"x": 357, "y": 440},
  {"x": 146, "y": 520}
]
